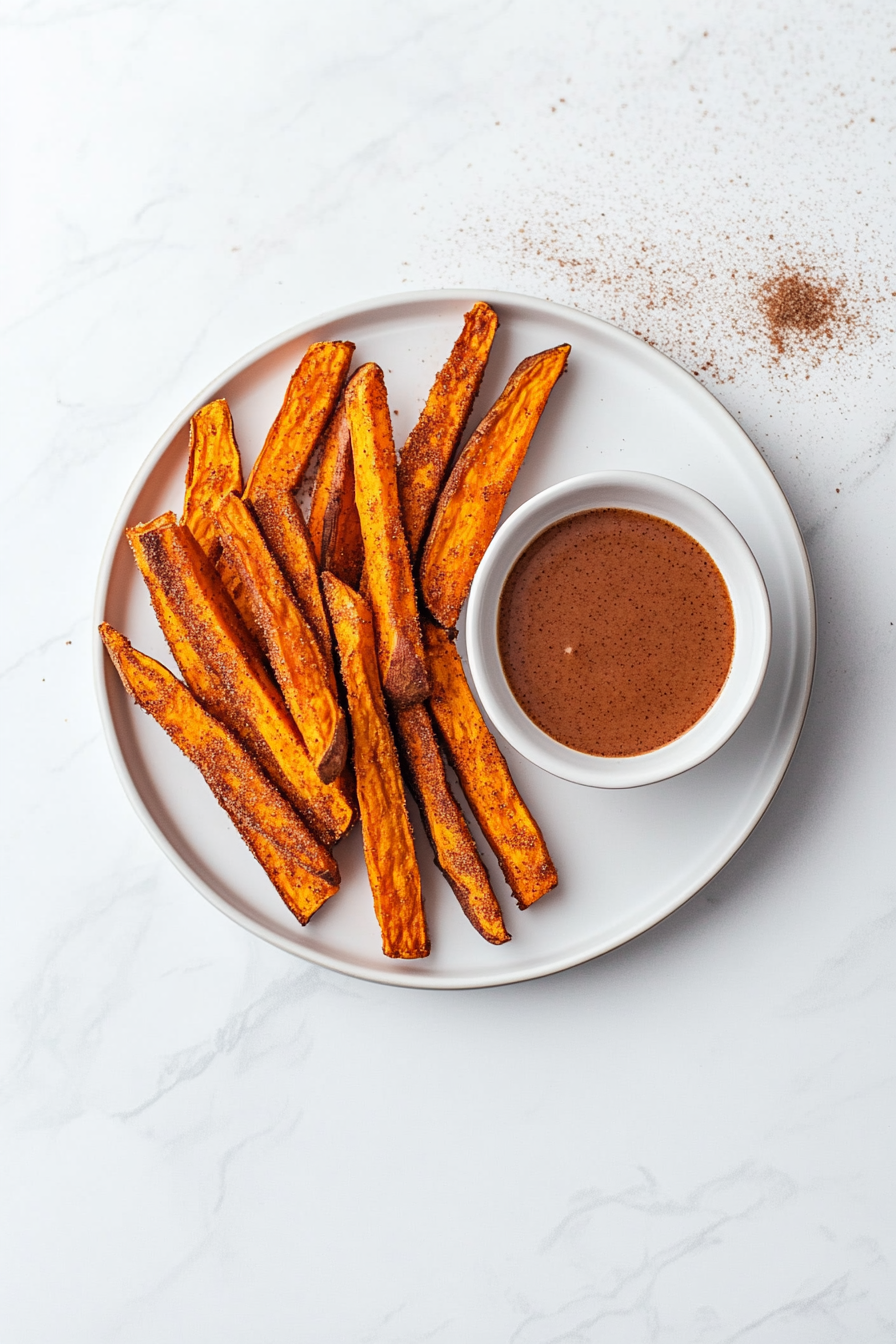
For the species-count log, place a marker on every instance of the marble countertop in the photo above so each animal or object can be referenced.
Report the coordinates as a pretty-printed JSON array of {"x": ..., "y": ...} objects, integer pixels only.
[{"x": 688, "y": 1140}]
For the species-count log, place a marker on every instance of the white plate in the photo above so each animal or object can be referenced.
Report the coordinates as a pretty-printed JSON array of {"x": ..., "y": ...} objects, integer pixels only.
[{"x": 626, "y": 858}]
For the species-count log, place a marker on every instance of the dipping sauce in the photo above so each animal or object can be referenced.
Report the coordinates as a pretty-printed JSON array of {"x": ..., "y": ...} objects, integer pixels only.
[{"x": 616, "y": 631}]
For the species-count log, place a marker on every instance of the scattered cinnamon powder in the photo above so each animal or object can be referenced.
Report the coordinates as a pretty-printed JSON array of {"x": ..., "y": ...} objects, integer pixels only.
[
  {"x": 719, "y": 302},
  {"x": 797, "y": 307}
]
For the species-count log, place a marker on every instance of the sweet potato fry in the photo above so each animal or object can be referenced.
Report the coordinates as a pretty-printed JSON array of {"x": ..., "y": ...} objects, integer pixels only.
[
  {"x": 287, "y": 638},
  {"x": 426, "y": 456},
  {"x": 333, "y": 521},
  {"x": 231, "y": 580},
  {"x": 286, "y": 533},
  {"x": 504, "y": 819},
  {"x": 213, "y": 471},
  {"x": 307, "y": 406},
  {"x": 201, "y": 680},
  {"x": 470, "y": 506},
  {"x": 453, "y": 845},
  {"x": 387, "y": 564},
  {"x": 388, "y": 841},
  {"x": 302, "y": 870},
  {"x": 312, "y": 393},
  {"x": 226, "y": 673}
]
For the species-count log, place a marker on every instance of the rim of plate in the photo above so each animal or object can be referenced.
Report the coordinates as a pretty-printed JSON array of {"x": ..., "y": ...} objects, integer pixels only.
[{"x": 387, "y": 975}]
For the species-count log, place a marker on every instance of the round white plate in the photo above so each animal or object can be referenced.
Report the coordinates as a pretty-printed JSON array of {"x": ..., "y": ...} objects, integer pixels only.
[{"x": 626, "y": 858}]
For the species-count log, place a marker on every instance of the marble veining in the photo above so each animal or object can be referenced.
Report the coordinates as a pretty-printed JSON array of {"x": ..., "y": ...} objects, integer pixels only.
[{"x": 688, "y": 1141}]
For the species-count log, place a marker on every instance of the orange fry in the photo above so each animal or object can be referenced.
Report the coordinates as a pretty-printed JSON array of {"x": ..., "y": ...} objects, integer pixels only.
[
  {"x": 226, "y": 673},
  {"x": 312, "y": 393},
  {"x": 286, "y": 533},
  {"x": 333, "y": 521},
  {"x": 302, "y": 870},
  {"x": 453, "y": 845},
  {"x": 230, "y": 577},
  {"x": 387, "y": 571},
  {"x": 503, "y": 817},
  {"x": 388, "y": 841},
  {"x": 430, "y": 447},
  {"x": 201, "y": 680},
  {"x": 287, "y": 638},
  {"x": 307, "y": 406},
  {"x": 471, "y": 504},
  {"x": 213, "y": 471}
]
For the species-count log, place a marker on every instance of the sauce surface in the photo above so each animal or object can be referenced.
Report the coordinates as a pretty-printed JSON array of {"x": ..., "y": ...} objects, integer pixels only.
[{"x": 616, "y": 631}]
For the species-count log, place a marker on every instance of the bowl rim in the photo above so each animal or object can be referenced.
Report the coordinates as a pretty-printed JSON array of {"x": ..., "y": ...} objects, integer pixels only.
[{"x": 746, "y": 587}]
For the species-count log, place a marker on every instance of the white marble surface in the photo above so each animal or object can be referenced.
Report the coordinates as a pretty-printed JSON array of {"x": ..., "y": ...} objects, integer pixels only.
[{"x": 689, "y": 1140}]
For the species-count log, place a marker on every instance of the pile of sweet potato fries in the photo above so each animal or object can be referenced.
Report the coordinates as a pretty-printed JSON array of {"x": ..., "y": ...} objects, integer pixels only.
[{"x": 308, "y": 650}]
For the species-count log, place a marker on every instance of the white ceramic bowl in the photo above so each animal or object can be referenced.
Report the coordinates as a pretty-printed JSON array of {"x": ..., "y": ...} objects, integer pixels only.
[{"x": 752, "y": 626}]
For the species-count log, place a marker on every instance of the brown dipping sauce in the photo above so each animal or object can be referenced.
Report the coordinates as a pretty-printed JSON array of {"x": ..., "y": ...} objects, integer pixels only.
[{"x": 616, "y": 631}]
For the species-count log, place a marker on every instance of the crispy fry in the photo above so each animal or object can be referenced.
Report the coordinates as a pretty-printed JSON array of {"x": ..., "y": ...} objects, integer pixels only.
[
  {"x": 503, "y": 817},
  {"x": 387, "y": 569},
  {"x": 213, "y": 471},
  {"x": 307, "y": 406},
  {"x": 287, "y": 638},
  {"x": 454, "y": 847},
  {"x": 230, "y": 577},
  {"x": 227, "y": 674},
  {"x": 388, "y": 841},
  {"x": 202, "y": 681},
  {"x": 473, "y": 499},
  {"x": 303, "y": 871},
  {"x": 286, "y": 533},
  {"x": 430, "y": 447},
  {"x": 333, "y": 521}
]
